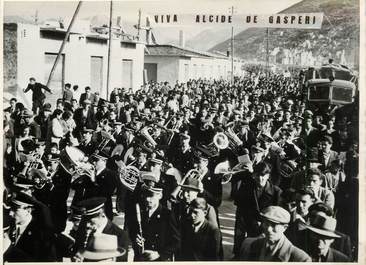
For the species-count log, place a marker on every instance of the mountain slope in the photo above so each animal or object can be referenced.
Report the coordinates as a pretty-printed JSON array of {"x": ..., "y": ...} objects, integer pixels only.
[{"x": 338, "y": 37}]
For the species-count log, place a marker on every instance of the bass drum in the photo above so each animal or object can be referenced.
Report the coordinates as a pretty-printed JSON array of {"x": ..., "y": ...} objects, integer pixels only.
[{"x": 72, "y": 158}]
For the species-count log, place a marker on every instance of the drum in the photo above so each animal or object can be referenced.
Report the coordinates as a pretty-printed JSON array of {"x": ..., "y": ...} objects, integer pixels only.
[{"x": 72, "y": 158}]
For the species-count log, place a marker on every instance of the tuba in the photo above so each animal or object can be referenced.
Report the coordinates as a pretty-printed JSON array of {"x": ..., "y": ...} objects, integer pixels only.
[{"x": 234, "y": 140}]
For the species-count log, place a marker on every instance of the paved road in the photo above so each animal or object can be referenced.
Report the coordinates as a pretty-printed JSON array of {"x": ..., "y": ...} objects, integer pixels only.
[{"x": 227, "y": 221}]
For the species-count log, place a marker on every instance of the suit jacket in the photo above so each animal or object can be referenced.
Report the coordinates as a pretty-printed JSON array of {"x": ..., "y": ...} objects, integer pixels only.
[
  {"x": 81, "y": 121},
  {"x": 286, "y": 253},
  {"x": 107, "y": 181},
  {"x": 38, "y": 94},
  {"x": 212, "y": 189},
  {"x": 161, "y": 233},
  {"x": 336, "y": 256},
  {"x": 332, "y": 157},
  {"x": 84, "y": 96},
  {"x": 204, "y": 245},
  {"x": 249, "y": 204},
  {"x": 37, "y": 240}
]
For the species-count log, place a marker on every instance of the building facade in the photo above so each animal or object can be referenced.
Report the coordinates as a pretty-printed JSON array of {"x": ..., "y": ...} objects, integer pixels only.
[
  {"x": 173, "y": 63},
  {"x": 30, "y": 51}
]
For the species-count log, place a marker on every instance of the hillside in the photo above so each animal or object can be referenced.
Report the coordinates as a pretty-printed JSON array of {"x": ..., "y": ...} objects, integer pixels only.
[{"x": 338, "y": 38}]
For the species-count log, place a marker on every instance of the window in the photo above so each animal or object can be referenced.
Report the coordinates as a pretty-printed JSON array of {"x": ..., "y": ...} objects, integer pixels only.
[
  {"x": 96, "y": 74},
  {"x": 58, "y": 77},
  {"x": 127, "y": 74}
]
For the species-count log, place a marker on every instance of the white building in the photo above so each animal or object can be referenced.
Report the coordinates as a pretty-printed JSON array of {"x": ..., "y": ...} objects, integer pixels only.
[
  {"x": 173, "y": 63},
  {"x": 30, "y": 51}
]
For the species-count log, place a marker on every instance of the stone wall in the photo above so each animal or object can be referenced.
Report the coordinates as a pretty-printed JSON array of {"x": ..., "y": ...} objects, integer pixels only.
[{"x": 10, "y": 58}]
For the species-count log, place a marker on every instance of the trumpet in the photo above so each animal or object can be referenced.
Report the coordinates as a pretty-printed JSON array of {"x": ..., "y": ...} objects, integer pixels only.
[{"x": 193, "y": 173}]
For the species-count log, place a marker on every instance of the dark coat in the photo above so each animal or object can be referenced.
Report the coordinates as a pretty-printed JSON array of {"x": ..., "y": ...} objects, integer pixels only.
[
  {"x": 84, "y": 96},
  {"x": 182, "y": 161},
  {"x": 88, "y": 148},
  {"x": 201, "y": 246},
  {"x": 212, "y": 189},
  {"x": 286, "y": 253},
  {"x": 107, "y": 182},
  {"x": 37, "y": 240},
  {"x": 336, "y": 256},
  {"x": 160, "y": 231},
  {"x": 38, "y": 94},
  {"x": 81, "y": 121}
]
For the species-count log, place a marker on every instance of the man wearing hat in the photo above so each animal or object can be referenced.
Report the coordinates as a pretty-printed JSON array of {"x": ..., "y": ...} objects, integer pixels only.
[
  {"x": 96, "y": 223},
  {"x": 275, "y": 246},
  {"x": 182, "y": 159},
  {"x": 32, "y": 231},
  {"x": 322, "y": 235},
  {"x": 255, "y": 193},
  {"x": 107, "y": 181},
  {"x": 87, "y": 145},
  {"x": 28, "y": 121},
  {"x": 103, "y": 248},
  {"x": 38, "y": 96},
  {"x": 189, "y": 192},
  {"x": 160, "y": 238},
  {"x": 201, "y": 240},
  {"x": 310, "y": 134}
]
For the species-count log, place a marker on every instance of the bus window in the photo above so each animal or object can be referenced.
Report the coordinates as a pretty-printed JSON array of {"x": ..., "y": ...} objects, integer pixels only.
[
  {"x": 319, "y": 93},
  {"x": 342, "y": 94}
]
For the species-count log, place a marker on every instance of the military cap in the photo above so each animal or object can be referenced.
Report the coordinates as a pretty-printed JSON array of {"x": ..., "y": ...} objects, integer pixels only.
[
  {"x": 148, "y": 176},
  {"x": 76, "y": 213},
  {"x": 86, "y": 130},
  {"x": 276, "y": 214},
  {"x": 256, "y": 149},
  {"x": 117, "y": 123},
  {"x": 47, "y": 107},
  {"x": 22, "y": 199},
  {"x": 101, "y": 156},
  {"x": 26, "y": 113},
  {"x": 149, "y": 190},
  {"x": 266, "y": 138},
  {"x": 156, "y": 161},
  {"x": 91, "y": 207}
]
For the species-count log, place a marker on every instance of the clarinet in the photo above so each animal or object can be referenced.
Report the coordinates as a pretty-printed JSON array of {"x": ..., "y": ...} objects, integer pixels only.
[
  {"x": 89, "y": 234},
  {"x": 138, "y": 215}
]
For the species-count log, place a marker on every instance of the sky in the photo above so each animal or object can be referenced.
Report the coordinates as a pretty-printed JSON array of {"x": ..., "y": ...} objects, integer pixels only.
[{"x": 128, "y": 10}]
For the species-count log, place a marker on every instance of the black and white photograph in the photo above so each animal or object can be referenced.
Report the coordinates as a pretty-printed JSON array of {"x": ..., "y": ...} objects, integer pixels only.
[{"x": 166, "y": 130}]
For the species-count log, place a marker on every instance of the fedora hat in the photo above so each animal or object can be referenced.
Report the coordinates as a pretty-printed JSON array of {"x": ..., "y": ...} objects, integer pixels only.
[
  {"x": 323, "y": 225},
  {"x": 103, "y": 246},
  {"x": 191, "y": 184}
]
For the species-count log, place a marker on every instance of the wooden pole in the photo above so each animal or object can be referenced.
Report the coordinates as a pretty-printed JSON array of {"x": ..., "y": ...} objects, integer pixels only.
[
  {"x": 267, "y": 53},
  {"x": 63, "y": 43},
  {"x": 232, "y": 50},
  {"x": 139, "y": 25},
  {"x": 109, "y": 47}
]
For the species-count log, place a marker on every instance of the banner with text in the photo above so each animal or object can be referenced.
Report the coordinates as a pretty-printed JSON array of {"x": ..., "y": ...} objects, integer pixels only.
[{"x": 298, "y": 20}]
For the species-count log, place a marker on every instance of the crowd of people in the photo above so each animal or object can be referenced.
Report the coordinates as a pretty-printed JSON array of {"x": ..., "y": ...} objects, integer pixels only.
[{"x": 160, "y": 156}]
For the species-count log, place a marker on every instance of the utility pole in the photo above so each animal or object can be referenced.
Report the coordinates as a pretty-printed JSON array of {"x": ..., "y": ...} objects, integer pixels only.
[
  {"x": 139, "y": 25},
  {"x": 109, "y": 46},
  {"x": 267, "y": 53},
  {"x": 232, "y": 49},
  {"x": 63, "y": 43}
]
